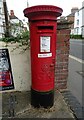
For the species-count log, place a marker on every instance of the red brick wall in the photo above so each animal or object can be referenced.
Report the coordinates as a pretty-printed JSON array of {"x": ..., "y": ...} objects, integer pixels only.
[{"x": 62, "y": 58}]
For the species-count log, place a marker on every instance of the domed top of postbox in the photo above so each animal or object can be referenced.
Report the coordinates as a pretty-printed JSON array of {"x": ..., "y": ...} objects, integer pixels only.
[{"x": 43, "y": 12}]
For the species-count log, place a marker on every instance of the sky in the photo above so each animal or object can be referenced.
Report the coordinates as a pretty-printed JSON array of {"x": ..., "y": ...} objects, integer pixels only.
[{"x": 19, "y": 5}]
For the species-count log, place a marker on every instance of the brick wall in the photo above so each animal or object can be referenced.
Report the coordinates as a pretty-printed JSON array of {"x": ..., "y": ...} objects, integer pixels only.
[{"x": 62, "y": 58}]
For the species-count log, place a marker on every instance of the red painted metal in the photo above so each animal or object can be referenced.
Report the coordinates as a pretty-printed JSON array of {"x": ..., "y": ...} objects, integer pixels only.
[{"x": 43, "y": 25}]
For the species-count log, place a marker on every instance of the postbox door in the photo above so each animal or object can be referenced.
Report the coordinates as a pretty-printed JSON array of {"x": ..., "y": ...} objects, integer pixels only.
[{"x": 43, "y": 59}]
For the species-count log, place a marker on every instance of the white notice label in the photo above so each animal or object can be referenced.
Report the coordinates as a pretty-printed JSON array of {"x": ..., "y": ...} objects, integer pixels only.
[
  {"x": 44, "y": 55},
  {"x": 44, "y": 44}
]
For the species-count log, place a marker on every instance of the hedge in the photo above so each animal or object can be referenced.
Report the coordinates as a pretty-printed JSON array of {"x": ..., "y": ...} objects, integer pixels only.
[
  {"x": 76, "y": 37},
  {"x": 25, "y": 36}
]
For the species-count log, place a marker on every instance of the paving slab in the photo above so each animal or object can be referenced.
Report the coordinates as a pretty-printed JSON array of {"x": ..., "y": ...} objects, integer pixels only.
[
  {"x": 24, "y": 109},
  {"x": 74, "y": 104},
  {"x": 59, "y": 110}
]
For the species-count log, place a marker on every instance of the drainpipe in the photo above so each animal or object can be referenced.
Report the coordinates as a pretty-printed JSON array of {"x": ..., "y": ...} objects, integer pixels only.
[{"x": 6, "y": 18}]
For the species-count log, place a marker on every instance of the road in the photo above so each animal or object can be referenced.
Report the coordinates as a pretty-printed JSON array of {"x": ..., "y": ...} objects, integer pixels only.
[
  {"x": 76, "y": 74},
  {"x": 77, "y": 48}
]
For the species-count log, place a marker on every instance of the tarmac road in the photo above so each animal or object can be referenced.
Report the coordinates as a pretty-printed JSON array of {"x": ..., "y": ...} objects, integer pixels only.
[
  {"x": 76, "y": 73},
  {"x": 77, "y": 48}
]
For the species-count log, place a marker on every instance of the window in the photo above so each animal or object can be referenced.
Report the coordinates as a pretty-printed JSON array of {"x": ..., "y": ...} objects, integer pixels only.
[
  {"x": 74, "y": 30},
  {"x": 77, "y": 22},
  {"x": 0, "y": 10},
  {"x": 82, "y": 30},
  {"x": 77, "y": 30},
  {"x": 78, "y": 13},
  {"x": 0, "y": 19}
]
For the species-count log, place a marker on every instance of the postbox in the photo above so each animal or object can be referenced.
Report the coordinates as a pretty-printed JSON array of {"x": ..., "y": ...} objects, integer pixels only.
[{"x": 42, "y": 25}]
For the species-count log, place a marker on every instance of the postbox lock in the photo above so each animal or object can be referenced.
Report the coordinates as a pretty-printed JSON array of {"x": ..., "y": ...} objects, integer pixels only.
[{"x": 52, "y": 65}]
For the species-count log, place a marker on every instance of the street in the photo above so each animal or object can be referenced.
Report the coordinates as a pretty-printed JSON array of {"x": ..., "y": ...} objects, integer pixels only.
[
  {"x": 77, "y": 48},
  {"x": 76, "y": 74}
]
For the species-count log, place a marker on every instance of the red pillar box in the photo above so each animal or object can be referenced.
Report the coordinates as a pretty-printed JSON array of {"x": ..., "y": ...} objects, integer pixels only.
[{"x": 43, "y": 25}]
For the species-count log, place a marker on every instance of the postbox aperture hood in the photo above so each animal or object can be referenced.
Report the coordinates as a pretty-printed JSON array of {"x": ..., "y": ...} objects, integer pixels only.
[{"x": 40, "y": 12}]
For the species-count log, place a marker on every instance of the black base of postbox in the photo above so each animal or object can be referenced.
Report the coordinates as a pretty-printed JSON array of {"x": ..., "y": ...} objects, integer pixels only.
[{"x": 42, "y": 99}]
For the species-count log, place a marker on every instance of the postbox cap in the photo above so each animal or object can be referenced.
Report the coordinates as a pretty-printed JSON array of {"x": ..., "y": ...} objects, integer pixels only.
[{"x": 41, "y": 12}]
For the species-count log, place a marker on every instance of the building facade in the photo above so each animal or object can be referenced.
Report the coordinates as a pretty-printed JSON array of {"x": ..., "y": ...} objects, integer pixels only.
[
  {"x": 2, "y": 20},
  {"x": 71, "y": 17},
  {"x": 83, "y": 19},
  {"x": 79, "y": 21},
  {"x": 10, "y": 25},
  {"x": 16, "y": 25}
]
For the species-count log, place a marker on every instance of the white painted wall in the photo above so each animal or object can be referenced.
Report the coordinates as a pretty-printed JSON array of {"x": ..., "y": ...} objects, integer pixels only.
[
  {"x": 15, "y": 29},
  {"x": 78, "y": 22},
  {"x": 20, "y": 63},
  {"x": 83, "y": 13},
  {"x": 14, "y": 21},
  {"x": 83, "y": 19},
  {"x": 79, "y": 16}
]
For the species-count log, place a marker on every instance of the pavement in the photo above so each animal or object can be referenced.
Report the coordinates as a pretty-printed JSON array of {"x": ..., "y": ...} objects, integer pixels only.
[
  {"x": 75, "y": 78},
  {"x": 74, "y": 95},
  {"x": 67, "y": 104},
  {"x": 59, "y": 110},
  {"x": 74, "y": 104}
]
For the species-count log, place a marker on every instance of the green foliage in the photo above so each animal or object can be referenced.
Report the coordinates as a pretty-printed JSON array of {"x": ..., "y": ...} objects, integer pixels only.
[
  {"x": 76, "y": 37},
  {"x": 20, "y": 37},
  {"x": 26, "y": 35},
  {"x": 8, "y": 39}
]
